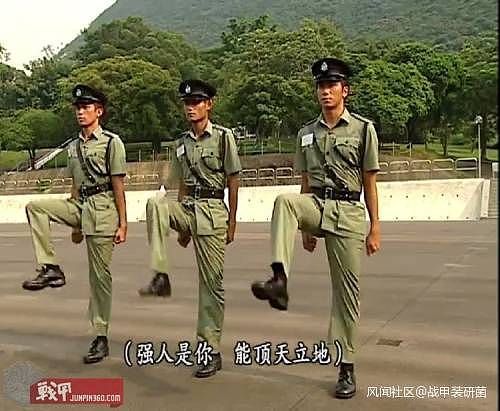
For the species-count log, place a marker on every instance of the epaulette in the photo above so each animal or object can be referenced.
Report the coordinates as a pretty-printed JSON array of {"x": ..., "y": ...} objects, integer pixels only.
[
  {"x": 309, "y": 122},
  {"x": 109, "y": 133},
  {"x": 361, "y": 118},
  {"x": 220, "y": 128},
  {"x": 69, "y": 141},
  {"x": 181, "y": 136}
]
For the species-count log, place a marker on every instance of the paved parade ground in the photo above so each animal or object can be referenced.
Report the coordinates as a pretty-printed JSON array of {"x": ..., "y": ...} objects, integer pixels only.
[{"x": 428, "y": 323}]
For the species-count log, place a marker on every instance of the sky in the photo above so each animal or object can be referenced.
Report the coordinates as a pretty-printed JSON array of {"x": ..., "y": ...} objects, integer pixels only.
[{"x": 27, "y": 26}]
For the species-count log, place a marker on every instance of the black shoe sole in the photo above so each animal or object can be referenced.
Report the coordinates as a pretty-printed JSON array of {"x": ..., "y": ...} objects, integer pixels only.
[
  {"x": 164, "y": 295},
  {"x": 52, "y": 285},
  {"x": 280, "y": 304},
  {"x": 344, "y": 396},
  {"x": 94, "y": 360},
  {"x": 41, "y": 287},
  {"x": 276, "y": 304},
  {"x": 210, "y": 374}
]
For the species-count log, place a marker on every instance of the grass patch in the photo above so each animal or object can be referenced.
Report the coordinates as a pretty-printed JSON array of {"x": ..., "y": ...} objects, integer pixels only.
[{"x": 10, "y": 159}]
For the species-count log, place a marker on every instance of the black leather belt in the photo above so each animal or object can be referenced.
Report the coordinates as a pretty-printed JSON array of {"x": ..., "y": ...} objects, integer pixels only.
[
  {"x": 329, "y": 193},
  {"x": 88, "y": 191},
  {"x": 198, "y": 192}
]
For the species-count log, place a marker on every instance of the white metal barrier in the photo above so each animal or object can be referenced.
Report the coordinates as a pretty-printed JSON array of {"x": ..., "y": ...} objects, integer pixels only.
[
  {"x": 443, "y": 164},
  {"x": 265, "y": 174},
  {"x": 464, "y": 164},
  {"x": 399, "y": 167},
  {"x": 421, "y": 166},
  {"x": 416, "y": 167}
]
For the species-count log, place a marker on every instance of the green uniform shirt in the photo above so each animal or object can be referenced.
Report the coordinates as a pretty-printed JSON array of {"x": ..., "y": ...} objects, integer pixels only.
[
  {"x": 214, "y": 155},
  {"x": 99, "y": 214},
  {"x": 347, "y": 151},
  {"x": 344, "y": 147}
]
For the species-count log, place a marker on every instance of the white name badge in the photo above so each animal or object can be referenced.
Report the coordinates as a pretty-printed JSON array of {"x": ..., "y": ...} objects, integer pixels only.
[
  {"x": 180, "y": 150},
  {"x": 307, "y": 140}
]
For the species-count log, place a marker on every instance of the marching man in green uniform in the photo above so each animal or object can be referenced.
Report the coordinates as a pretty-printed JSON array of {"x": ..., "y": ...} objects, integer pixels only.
[
  {"x": 96, "y": 210},
  {"x": 337, "y": 155},
  {"x": 204, "y": 163}
]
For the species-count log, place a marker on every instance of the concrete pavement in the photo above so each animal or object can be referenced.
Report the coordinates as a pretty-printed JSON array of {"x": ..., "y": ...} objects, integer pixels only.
[{"x": 429, "y": 318}]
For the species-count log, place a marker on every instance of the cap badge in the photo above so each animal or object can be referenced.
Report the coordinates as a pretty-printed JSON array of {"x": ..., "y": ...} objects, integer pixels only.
[
  {"x": 188, "y": 89},
  {"x": 78, "y": 92},
  {"x": 324, "y": 66}
]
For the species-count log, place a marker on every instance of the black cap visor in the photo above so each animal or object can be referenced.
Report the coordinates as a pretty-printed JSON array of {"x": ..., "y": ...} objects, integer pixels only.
[{"x": 329, "y": 77}]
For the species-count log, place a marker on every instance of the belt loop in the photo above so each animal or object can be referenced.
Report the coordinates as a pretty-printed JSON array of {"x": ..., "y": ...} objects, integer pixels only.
[{"x": 328, "y": 193}]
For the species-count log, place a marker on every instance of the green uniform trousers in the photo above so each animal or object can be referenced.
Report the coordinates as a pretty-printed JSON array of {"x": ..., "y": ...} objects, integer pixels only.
[
  {"x": 99, "y": 250},
  {"x": 304, "y": 212},
  {"x": 162, "y": 215}
]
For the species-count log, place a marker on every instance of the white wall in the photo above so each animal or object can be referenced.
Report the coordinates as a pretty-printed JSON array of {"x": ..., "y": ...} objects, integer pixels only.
[{"x": 425, "y": 200}]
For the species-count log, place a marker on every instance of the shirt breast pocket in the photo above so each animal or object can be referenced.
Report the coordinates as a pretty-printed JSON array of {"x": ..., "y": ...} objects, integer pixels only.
[
  {"x": 313, "y": 161},
  {"x": 97, "y": 162},
  {"x": 210, "y": 158},
  {"x": 106, "y": 218},
  {"x": 349, "y": 150}
]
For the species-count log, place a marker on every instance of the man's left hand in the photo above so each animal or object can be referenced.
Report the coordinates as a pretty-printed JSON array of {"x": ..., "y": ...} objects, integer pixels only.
[
  {"x": 121, "y": 235},
  {"x": 373, "y": 241}
]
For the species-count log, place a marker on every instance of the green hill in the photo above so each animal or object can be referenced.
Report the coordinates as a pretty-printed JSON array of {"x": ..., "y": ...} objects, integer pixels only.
[{"x": 445, "y": 22}]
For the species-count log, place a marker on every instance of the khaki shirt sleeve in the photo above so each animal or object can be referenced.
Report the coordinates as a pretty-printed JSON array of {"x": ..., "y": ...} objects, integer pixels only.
[
  {"x": 300, "y": 158},
  {"x": 232, "y": 164},
  {"x": 175, "y": 170},
  {"x": 117, "y": 157},
  {"x": 370, "y": 158}
]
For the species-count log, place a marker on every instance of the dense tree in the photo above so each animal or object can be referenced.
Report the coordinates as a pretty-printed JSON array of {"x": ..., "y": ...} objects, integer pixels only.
[
  {"x": 43, "y": 91},
  {"x": 13, "y": 89},
  {"x": 391, "y": 95},
  {"x": 31, "y": 130},
  {"x": 143, "y": 102},
  {"x": 133, "y": 39},
  {"x": 262, "y": 71},
  {"x": 479, "y": 96},
  {"x": 444, "y": 22}
]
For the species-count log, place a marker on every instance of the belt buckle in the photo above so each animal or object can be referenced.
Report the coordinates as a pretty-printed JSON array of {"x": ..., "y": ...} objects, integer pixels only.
[
  {"x": 197, "y": 192},
  {"x": 83, "y": 192},
  {"x": 328, "y": 193}
]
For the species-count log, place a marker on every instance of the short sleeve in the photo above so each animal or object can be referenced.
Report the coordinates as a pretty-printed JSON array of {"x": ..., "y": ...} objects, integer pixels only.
[
  {"x": 370, "y": 158},
  {"x": 300, "y": 159},
  {"x": 232, "y": 164},
  {"x": 117, "y": 157}
]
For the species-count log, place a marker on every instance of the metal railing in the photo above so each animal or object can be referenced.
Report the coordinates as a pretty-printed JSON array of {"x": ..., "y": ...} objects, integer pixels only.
[{"x": 415, "y": 169}]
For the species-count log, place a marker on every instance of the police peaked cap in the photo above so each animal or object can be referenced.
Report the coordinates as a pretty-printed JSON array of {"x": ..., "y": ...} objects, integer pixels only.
[
  {"x": 196, "y": 89},
  {"x": 86, "y": 94},
  {"x": 330, "y": 69}
]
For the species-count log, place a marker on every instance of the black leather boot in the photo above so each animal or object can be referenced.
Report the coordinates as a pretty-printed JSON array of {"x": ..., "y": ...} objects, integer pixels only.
[
  {"x": 48, "y": 276},
  {"x": 346, "y": 385},
  {"x": 159, "y": 286},
  {"x": 274, "y": 290},
  {"x": 98, "y": 350},
  {"x": 211, "y": 368}
]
